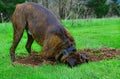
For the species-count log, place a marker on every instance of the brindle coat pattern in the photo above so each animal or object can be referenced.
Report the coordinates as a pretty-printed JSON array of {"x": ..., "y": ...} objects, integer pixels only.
[{"x": 41, "y": 25}]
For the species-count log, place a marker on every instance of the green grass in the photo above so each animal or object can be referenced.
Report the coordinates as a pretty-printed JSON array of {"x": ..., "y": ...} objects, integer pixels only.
[{"x": 94, "y": 34}]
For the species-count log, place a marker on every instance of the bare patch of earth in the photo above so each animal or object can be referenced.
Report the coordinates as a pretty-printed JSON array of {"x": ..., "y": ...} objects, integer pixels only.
[{"x": 92, "y": 54}]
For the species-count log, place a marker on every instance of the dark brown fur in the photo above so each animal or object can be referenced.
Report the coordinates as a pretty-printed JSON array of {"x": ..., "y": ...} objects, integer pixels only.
[{"x": 41, "y": 25}]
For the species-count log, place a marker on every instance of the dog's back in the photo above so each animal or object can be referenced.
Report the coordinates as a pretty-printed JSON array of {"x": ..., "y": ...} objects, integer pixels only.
[{"x": 37, "y": 20}]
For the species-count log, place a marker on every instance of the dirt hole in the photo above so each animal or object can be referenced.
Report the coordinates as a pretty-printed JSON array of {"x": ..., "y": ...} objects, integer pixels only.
[{"x": 92, "y": 54}]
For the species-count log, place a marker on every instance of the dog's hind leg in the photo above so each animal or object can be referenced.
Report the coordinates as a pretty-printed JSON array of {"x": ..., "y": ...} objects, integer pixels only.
[
  {"x": 19, "y": 24},
  {"x": 29, "y": 43},
  {"x": 17, "y": 37}
]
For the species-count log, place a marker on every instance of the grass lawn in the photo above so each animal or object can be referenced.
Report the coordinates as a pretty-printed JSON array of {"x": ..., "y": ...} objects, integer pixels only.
[{"x": 92, "y": 33}]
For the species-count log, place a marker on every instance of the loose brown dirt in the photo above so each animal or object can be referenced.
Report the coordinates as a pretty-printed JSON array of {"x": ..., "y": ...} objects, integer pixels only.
[
  {"x": 101, "y": 54},
  {"x": 92, "y": 54}
]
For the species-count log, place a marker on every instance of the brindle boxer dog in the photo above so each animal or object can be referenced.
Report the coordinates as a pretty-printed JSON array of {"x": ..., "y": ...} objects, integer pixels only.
[{"x": 41, "y": 25}]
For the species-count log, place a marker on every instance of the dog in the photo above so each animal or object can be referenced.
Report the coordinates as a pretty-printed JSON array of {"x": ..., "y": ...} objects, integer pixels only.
[{"x": 42, "y": 26}]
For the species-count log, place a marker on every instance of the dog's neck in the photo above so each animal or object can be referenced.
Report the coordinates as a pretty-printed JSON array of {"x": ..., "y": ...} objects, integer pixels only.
[{"x": 65, "y": 52}]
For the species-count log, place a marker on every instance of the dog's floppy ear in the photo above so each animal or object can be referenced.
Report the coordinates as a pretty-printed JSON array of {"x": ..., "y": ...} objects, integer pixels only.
[{"x": 71, "y": 61}]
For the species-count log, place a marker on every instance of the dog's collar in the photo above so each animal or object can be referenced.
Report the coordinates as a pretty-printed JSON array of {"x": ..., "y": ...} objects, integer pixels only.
[{"x": 65, "y": 52}]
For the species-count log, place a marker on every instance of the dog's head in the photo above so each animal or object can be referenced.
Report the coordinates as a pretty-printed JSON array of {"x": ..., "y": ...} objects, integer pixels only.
[
  {"x": 76, "y": 59},
  {"x": 71, "y": 57}
]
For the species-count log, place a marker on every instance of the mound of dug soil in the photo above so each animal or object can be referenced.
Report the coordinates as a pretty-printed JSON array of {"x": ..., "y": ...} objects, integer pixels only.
[
  {"x": 93, "y": 55},
  {"x": 34, "y": 59},
  {"x": 100, "y": 54}
]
